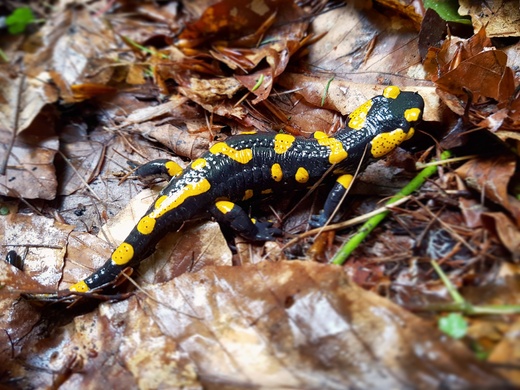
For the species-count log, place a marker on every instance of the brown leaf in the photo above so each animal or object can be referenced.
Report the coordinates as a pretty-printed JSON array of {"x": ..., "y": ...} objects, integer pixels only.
[
  {"x": 507, "y": 353},
  {"x": 46, "y": 243},
  {"x": 482, "y": 74},
  {"x": 84, "y": 158},
  {"x": 23, "y": 98},
  {"x": 506, "y": 230},
  {"x": 289, "y": 324},
  {"x": 491, "y": 176},
  {"x": 178, "y": 139},
  {"x": 30, "y": 170},
  {"x": 70, "y": 52},
  {"x": 196, "y": 246},
  {"x": 499, "y": 17}
]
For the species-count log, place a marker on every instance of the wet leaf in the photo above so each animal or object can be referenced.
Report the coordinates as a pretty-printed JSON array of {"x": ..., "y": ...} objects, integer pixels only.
[{"x": 249, "y": 326}]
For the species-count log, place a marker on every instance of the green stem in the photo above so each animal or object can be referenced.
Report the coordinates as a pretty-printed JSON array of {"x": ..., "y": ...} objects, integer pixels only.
[{"x": 347, "y": 248}]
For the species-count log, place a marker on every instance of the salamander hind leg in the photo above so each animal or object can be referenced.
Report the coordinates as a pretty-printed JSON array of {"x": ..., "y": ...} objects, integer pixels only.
[
  {"x": 234, "y": 216},
  {"x": 333, "y": 200}
]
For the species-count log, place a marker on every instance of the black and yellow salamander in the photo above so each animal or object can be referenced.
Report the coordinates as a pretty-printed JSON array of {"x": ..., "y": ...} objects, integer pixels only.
[{"x": 253, "y": 165}]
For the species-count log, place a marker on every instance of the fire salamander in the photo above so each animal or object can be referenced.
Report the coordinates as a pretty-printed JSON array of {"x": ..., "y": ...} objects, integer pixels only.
[{"x": 253, "y": 165}]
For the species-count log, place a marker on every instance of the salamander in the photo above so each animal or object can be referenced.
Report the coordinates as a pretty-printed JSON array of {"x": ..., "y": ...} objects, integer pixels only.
[{"x": 254, "y": 165}]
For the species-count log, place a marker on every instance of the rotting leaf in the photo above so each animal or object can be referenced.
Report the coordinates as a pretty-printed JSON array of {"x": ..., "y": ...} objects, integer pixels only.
[{"x": 248, "y": 326}]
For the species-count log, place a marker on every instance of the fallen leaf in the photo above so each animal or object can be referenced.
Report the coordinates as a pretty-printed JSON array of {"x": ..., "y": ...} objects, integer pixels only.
[
  {"x": 491, "y": 177},
  {"x": 248, "y": 326},
  {"x": 499, "y": 17}
]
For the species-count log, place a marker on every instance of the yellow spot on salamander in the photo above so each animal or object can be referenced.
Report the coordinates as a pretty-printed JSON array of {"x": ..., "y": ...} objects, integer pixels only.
[
  {"x": 248, "y": 195},
  {"x": 80, "y": 286},
  {"x": 173, "y": 168},
  {"x": 123, "y": 254},
  {"x": 337, "y": 152},
  {"x": 175, "y": 199},
  {"x": 224, "y": 206},
  {"x": 359, "y": 115},
  {"x": 247, "y": 132},
  {"x": 386, "y": 142},
  {"x": 147, "y": 224},
  {"x": 266, "y": 192},
  {"x": 199, "y": 163},
  {"x": 241, "y": 156},
  {"x": 276, "y": 172},
  {"x": 410, "y": 133},
  {"x": 282, "y": 142},
  {"x": 302, "y": 175},
  {"x": 412, "y": 114},
  {"x": 320, "y": 134},
  {"x": 345, "y": 180},
  {"x": 391, "y": 92},
  {"x": 159, "y": 201}
]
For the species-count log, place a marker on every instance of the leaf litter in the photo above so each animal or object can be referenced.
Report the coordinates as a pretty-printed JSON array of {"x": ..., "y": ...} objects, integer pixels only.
[{"x": 130, "y": 82}]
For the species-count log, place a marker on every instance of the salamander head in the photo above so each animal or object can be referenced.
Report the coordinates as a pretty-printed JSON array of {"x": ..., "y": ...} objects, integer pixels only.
[{"x": 390, "y": 118}]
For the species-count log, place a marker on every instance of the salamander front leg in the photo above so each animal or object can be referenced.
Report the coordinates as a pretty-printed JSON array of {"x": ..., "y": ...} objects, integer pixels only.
[
  {"x": 234, "y": 216},
  {"x": 160, "y": 168},
  {"x": 333, "y": 200}
]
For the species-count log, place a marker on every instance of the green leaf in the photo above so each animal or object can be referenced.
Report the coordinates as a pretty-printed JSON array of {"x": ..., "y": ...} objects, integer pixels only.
[
  {"x": 19, "y": 19},
  {"x": 447, "y": 10},
  {"x": 454, "y": 325}
]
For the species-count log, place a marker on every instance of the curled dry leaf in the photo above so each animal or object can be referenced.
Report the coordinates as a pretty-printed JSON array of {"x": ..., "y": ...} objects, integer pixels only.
[
  {"x": 473, "y": 66},
  {"x": 289, "y": 324},
  {"x": 241, "y": 35},
  {"x": 491, "y": 176}
]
